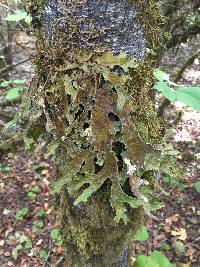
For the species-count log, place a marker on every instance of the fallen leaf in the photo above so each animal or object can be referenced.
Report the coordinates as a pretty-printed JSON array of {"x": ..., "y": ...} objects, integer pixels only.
[
  {"x": 190, "y": 252},
  {"x": 175, "y": 218},
  {"x": 45, "y": 172},
  {"x": 60, "y": 250},
  {"x": 46, "y": 205},
  {"x": 160, "y": 237},
  {"x": 48, "y": 211},
  {"x": 180, "y": 233},
  {"x": 2, "y": 243},
  {"x": 6, "y": 212},
  {"x": 7, "y": 254},
  {"x": 183, "y": 265},
  {"x": 9, "y": 230},
  {"x": 39, "y": 242},
  {"x": 10, "y": 263},
  {"x": 167, "y": 228},
  {"x": 45, "y": 181}
]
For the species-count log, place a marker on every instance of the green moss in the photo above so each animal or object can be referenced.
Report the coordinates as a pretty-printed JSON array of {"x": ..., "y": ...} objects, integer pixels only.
[{"x": 91, "y": 233}]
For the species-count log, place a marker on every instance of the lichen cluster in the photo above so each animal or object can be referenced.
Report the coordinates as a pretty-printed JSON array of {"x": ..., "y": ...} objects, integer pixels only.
[
  {"x": 90, "y": 106},
  {"x": 93, "y": 107}
]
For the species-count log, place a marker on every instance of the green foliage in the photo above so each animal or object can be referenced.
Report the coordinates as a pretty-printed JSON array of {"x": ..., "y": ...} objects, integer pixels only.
[
  {"x": 18, "y": 16},
  {"x": 16, "y": 251},
  {"x": 43, "y": 254},
  {"x": 156, "y": 259},
  {"x": 4, "y": 168},
  {"x": 41, "y": 213},
  {"x": 21, "y": 214},
  {"x": 187, "y": 95},
  {"x": 174, "y": 181},
  {"x": 165, "y": 246},
  {"x": 197, "y": 186},
  {"x": 54, "y": 233},
  {"x": 56, "y": 236},
  {"x": 23, "y": 243},
  {"x": 32, "y": 195},
  {"x": 13, "y": 93},
  {"x": 179, "y": 247},
  {"x": 9, "y": 82},
  {"x": 37, "y": 226},
  {"x": 142, "y": 235}
]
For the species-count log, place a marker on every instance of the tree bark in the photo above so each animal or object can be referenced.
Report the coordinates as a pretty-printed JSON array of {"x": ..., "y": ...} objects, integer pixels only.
[{"x": 91, "y": 97}]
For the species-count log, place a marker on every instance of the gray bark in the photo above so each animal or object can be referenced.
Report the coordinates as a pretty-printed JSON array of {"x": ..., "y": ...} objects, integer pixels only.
[{"x": 122, "y": 30}]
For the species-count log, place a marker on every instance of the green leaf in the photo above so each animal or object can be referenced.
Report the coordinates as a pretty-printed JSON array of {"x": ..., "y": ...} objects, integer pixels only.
[
  {"x": 181, "y": 186},
  {"x": 28, "y": 19},
  {"x": 160, "y": 259},
  {"x": 35, "y": 189},
  {"x": 197, "y": 186},
  {"x": 156, "y": 259},
  {"x": 19, "y": 81},
  {"x": 55, "y": 233},
  {"x": 179, "y": 247},
  {"x": 39, "y": 224},
  {"x": 31, "y": 195},
  {"x": 166, "y": 90},
  {"x": 41, "y": 213},
  {"x": 189, "y": 96},
  {"x": 144, "y": 261},
  {"x": 13, "y": 93},
  {"x": 165, "y": 246},
  {"x": 23, "y": 238},
  {"x": 142, "y": 235},
  {"x": 43, "y": 254},
  {"x": 21, "y": 214},
  {"x": 161, "y": 75},
  {"x": 25, "y": 241},
  {"x": 28, "y": 244},
  {"x": 16, "y": 251},
  {"x": 17, "y": 16},
  {"x": 5, "y": 83}
]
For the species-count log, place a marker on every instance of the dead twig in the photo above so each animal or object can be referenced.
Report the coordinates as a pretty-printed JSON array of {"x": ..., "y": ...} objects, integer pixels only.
[
  {"x": 59, "y": 261},
  {"x": 192, "y": 243}
]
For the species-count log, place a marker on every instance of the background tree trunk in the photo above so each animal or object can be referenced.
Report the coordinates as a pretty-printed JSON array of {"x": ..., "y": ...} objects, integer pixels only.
[
  {"x": 5, "y": 40},
  {"x": 95, "y": 109}
]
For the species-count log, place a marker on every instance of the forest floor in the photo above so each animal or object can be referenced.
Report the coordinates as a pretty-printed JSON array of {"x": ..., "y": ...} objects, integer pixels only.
[{"x": 28, "y": 215}]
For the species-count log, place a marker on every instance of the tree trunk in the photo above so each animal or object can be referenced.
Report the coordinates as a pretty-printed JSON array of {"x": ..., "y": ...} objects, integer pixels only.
[
  {"x": 91, "y": 97},
  {"x": 5, "y": 42}
]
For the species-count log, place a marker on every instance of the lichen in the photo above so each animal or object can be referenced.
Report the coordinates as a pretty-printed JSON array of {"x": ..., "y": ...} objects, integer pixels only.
[{"x": 94, "y": 108}]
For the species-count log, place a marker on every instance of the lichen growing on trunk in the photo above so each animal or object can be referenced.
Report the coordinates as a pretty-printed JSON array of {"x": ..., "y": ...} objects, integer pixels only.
[{"x": 91, "y": 105}]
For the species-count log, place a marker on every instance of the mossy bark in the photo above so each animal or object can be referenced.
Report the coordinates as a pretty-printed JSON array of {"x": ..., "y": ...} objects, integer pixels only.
[{"x": 92, "y": 237}]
